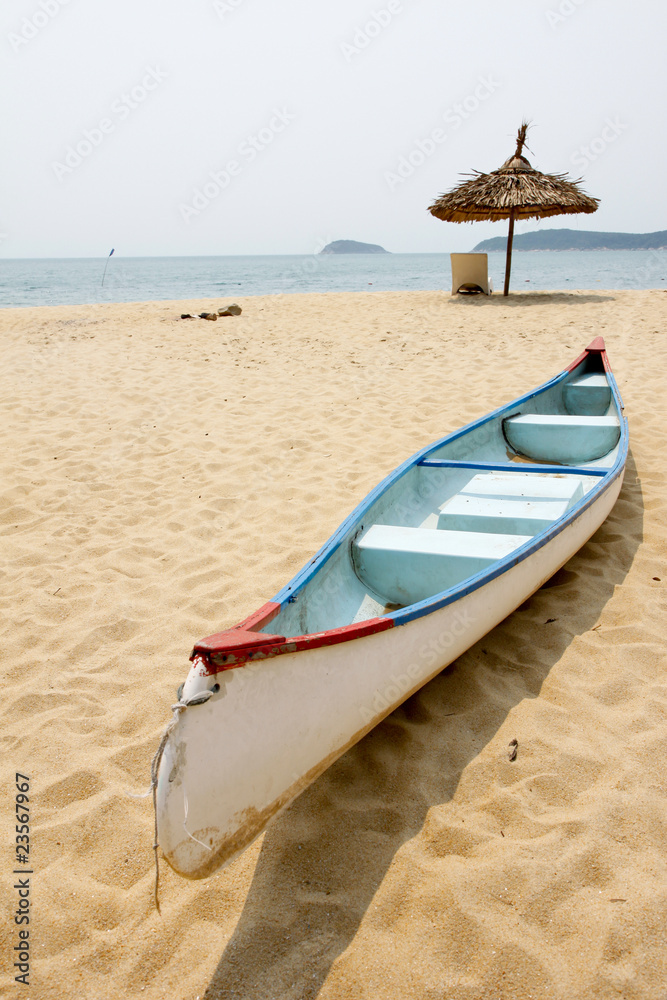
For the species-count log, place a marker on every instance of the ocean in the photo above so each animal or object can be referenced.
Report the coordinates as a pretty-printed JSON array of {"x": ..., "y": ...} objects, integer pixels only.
[{"x": 73, "y": 281}]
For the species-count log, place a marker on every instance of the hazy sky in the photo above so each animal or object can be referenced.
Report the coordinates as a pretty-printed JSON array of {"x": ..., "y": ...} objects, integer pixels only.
[{"x": 249, "y": 126}]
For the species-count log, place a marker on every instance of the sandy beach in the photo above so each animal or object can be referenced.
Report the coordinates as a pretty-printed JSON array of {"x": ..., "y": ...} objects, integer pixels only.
[{"x": 161, "y": 479}]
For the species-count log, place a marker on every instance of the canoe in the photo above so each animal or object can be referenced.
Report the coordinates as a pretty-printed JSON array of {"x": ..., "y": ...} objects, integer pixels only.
[{"x": 446, "y": 547}]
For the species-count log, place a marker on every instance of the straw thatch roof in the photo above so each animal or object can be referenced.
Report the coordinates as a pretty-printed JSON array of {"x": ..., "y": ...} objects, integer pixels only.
[{"x": 515, "y": 186}]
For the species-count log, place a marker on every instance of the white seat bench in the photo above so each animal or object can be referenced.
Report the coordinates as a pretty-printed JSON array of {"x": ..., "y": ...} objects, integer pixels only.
[
  {"x": 567, "y": 440},
  {"x": 588, "y": 395},
  {"x": 524, "y": 486},
  {"x": 497, "y": 515},
  {"x": 406, "y": 565}
]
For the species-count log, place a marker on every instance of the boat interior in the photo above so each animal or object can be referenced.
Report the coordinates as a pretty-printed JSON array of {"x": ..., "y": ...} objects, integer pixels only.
[{"x": 462, "y": 505}]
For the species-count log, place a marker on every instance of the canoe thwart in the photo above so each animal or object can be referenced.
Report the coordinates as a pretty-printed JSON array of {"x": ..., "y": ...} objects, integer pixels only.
[
  {"x": 500, "y": 515},
  {"x": 406, "y": 565},
  {"x": 561, "y": 438},
  {"x": 514, "y": 485},
  {"x": 589, "y": 395}
]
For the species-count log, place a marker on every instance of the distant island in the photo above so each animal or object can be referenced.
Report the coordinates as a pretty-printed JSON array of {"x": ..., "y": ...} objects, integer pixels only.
[
  {"x": 351, "y": 246},
  {"x": 576, "y": 239}
]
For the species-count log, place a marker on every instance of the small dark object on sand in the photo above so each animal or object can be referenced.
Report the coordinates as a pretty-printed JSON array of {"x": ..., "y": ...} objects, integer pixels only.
[
  {"x": 514, "y": 745},
  {"x": 187, "y": 316},
  {"x": 232, "y": 310}
]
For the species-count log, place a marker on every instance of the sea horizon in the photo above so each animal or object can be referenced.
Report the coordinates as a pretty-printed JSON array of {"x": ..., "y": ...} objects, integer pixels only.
[{"x": 40, "y": 281}]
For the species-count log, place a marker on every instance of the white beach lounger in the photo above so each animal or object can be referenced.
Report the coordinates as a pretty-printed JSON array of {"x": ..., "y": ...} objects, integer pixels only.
[{"x": 470, "y": 273}]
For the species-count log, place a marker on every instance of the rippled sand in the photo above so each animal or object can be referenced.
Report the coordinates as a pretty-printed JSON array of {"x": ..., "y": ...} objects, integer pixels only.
[{"x": 163, "y": 478}]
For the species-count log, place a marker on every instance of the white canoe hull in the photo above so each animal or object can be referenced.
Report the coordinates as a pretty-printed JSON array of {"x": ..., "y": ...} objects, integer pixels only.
[{"x": 237, "y": 760}]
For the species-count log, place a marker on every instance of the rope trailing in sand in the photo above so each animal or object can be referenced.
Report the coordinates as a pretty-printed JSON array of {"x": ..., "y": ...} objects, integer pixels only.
[{"x": 180, "y": 706}]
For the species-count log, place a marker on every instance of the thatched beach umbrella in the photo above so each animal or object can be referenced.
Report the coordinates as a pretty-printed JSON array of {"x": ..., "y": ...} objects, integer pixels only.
[{"x": 514, "y": 191}]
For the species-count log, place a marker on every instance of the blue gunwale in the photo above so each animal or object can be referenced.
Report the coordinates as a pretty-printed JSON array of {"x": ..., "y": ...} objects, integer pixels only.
[
  {"x": 413, "y": 611},
  {"x": 566, "y": 470}
]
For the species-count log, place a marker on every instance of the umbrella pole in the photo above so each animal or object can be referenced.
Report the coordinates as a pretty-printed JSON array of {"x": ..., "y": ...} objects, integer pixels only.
[{"x": 508, "y": 262}]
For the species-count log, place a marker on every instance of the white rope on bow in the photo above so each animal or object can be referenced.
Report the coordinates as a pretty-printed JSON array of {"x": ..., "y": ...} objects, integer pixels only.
[{"x": 180, "y": 706}]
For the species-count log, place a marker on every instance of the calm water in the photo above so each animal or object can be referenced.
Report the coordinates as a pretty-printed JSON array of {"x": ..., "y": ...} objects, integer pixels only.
[{"x": 69, "y": 281}]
